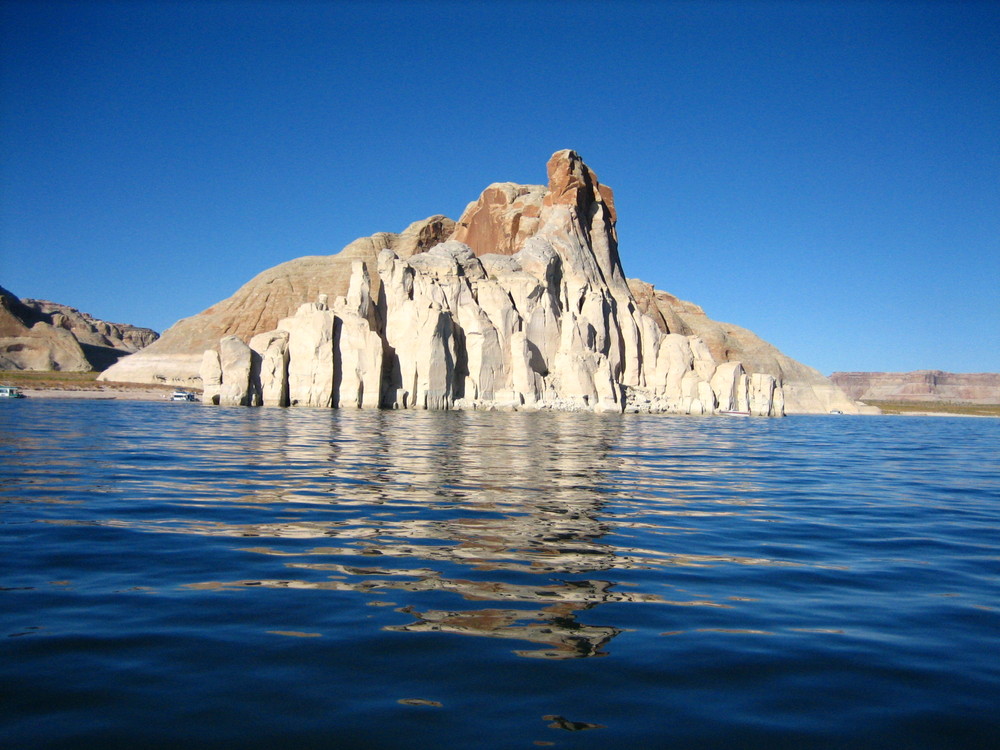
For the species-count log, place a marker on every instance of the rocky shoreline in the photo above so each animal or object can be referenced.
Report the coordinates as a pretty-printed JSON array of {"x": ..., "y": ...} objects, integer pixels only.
[
  {"x": 133, "y": 392},
  {"x": 137, "y": 393}
]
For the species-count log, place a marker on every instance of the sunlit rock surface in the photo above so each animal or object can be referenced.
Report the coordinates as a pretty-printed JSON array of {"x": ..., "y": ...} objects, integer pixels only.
[
  {"x": 521, "y": 304},
  {"x": 269, "y": 374},
  {"x": 921, "y": 385},
  {"x": 42, "y": 335},
  {"x": 235, "y": 361},
  {"x": 310, "y": 354},
  {"x": 258, "y": 305},
  {"x": 211, "y": 377}
]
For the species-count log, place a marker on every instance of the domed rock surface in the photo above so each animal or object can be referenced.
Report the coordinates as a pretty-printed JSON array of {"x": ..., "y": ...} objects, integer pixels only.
[
  {"x": 257, "y": 306},
  {"x": 805, "y": 389}
]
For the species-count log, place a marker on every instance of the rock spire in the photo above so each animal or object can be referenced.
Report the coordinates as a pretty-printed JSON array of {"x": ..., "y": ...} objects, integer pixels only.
[{"x": 524, "y": 306}]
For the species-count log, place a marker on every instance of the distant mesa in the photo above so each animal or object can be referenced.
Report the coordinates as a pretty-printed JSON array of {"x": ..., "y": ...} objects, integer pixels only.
[
  {"x": 521, "y": 304},
  {"x": 41, "y": 335},
  {"x": 932, "y": 386}
]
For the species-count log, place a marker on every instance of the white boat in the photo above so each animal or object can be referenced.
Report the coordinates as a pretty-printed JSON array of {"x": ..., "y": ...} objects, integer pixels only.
[
  {"x": 735, "y": 413},
  {"x": 182, "y": 396},
  {"x": 9, "y": 391}
]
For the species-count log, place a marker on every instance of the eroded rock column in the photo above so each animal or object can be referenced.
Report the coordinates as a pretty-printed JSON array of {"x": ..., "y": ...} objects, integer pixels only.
[
  {"x": 211, "y": 377},
  {"x": 310, "y": 354},
  {"x": 235, "y": 359},
  {"x": 269, "y": 374}
]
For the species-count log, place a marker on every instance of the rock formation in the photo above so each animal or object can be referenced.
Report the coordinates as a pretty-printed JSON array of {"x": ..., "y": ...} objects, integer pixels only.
[
  {"x": 921, "y": 385},
  {"x": 269, "y": 372},
  {"x": 804, "y": 389},
  {"x": 211, "y": 376},
  {"x": 310, "y": 354},
  {"x": 235, "y": 362},
  {"x": 42, "y": 335},
  {"x": 272, "y": 295},
  {"x": 521, "y": 303}
]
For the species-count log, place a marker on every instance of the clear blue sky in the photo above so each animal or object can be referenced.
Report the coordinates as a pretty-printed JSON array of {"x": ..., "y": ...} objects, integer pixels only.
[{"x": 825, "y": 174}]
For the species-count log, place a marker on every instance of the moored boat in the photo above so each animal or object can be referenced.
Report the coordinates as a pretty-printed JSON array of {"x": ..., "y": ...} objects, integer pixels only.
[{"x": 9, "y": 391}]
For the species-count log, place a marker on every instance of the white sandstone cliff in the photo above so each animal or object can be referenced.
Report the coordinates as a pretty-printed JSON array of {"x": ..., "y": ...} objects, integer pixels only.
[
  {"x": 548, "y": 323},
  {"x": 521, "y": 303}
]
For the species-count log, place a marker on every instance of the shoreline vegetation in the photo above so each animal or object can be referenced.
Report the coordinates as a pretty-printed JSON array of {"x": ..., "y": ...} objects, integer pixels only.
[
  {"x": 934, "y": 408},
  {"x": 85, "y": 385},
  {"x": 41, "y": 384}
]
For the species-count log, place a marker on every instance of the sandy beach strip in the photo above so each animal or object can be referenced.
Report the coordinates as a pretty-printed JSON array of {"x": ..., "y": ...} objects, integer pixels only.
[{"x": 138, "y": 393}]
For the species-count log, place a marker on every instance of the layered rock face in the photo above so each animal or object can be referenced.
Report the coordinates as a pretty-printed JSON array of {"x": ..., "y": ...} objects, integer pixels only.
[
  {"x": 921, "y": 385},
  {"x": 42, "y": 335},
  {"x": 272, "y": 295},
  {"x": 804, "y": 389},
  {"x": 525, "y": 307},
  {"x": 521, "y": 303}
]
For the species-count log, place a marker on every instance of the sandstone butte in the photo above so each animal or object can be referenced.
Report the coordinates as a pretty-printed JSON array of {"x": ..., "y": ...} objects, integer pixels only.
[
  {"x": 921, "y": 385},
  {"x": 42, "y": 335},
  {"x": 520, "y": 304}
]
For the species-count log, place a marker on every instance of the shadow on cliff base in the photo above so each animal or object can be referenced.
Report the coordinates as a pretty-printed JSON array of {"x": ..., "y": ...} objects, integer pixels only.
[{"x": 102, "y": 357}]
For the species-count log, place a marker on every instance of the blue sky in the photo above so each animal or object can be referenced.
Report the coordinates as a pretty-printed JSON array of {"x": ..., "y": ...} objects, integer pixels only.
[{"x": 825, "y": 174}]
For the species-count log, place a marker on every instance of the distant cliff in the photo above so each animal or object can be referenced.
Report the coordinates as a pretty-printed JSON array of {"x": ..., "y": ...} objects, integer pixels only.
[
  {"x": 521, "y": 303},
  {"x": 921, "y": 385},
  {"x": 42, "y": 335}
]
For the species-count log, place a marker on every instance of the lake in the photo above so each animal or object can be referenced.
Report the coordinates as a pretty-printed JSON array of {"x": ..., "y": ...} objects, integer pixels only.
[{"x": 183, "y": 576}]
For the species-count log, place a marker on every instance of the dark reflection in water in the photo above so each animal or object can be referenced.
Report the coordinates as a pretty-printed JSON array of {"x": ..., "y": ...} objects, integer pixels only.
[
  {"x": 482, "y": 492},
  {"x": 747, "y": 581},
  {"x": 489, "y": 493}
]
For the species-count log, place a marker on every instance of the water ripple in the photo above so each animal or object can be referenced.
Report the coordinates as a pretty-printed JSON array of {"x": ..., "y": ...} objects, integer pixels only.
[{"x": 739, "y": 578}]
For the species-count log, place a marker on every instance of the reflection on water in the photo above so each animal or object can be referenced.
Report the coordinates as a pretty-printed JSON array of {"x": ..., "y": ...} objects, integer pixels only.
[
  {"x": 434, "y": 497},
  {"x": 490, "y": 493},
  {"x": 484, "y": 493},
  {"x": 463, "y": 503},
  {"x": 702, "y": 558}
]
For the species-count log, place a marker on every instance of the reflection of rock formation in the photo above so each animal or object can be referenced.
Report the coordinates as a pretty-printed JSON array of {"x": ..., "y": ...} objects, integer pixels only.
[
  {"x": 562, "y": 636},
  {"x": 490, "y": 524},
  {"x": 420, "y": 521}
]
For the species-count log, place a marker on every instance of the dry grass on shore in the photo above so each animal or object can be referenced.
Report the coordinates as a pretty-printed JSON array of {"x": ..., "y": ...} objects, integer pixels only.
[
  {"x": 70, "y": 381},
  {"x": 937, "y": 407},
  {"x": 87, "y": 381}
]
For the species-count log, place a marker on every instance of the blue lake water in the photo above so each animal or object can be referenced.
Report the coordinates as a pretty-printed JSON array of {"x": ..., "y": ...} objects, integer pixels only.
[{"x": 182, "y": 576}]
